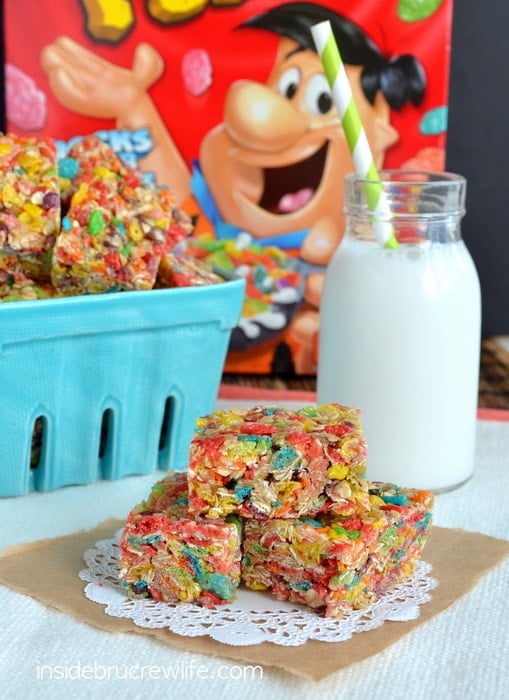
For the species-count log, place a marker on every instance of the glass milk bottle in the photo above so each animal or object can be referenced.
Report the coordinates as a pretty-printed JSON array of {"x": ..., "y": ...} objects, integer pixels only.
[{"x": 400, "y": 331}]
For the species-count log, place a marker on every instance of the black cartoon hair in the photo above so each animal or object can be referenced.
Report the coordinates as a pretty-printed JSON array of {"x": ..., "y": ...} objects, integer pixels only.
[{"x": 401, "y": 79}]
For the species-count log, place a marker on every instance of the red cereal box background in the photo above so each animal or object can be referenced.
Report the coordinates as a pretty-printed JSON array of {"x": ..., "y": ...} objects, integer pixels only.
[{"x": 204, "y": 53}]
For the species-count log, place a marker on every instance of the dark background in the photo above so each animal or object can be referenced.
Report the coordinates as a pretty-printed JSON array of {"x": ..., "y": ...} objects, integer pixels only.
[{"x": 477, "y": 144}]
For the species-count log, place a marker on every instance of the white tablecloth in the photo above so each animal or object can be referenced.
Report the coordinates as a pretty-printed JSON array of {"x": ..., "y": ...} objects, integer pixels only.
[{"x": 462, "y": 653}]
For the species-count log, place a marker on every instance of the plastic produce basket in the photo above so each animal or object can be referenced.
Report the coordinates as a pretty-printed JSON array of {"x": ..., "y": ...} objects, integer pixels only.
[{"x": 105, "y": 386}]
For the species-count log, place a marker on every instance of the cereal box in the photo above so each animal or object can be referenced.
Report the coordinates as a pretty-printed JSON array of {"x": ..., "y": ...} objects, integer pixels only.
[{"x": 225, "y": 102}]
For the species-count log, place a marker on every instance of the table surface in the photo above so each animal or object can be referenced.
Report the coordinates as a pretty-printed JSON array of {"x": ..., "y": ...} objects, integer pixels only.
[{"x": 461, "y": 653}]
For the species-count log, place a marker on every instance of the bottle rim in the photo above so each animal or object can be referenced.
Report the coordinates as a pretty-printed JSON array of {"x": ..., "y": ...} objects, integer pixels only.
[
  {"x": 411, "y": 192},
  {"x": 409, "y": 177}
]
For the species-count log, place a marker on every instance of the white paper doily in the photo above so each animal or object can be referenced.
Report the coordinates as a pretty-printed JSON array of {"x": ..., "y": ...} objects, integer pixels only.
[{"x": 254, "y": 617}]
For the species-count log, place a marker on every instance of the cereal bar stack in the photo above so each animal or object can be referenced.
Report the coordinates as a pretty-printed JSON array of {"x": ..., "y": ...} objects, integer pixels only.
[{"x": 312, "y": 529}]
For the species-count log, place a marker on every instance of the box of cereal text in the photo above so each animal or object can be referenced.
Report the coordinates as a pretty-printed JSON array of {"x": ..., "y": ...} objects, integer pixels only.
[{"x": 225, "y": 103}]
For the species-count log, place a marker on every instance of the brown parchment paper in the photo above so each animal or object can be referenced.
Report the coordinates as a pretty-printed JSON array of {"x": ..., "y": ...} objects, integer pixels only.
[{"x": 48, "y": 571}]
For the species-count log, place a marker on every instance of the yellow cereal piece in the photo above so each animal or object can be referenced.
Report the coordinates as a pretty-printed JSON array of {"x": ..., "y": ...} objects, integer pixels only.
[
  {"x": 103, "y": 172},
  {"x": 231, "y": 247},
  {"x": 33, "y": 210},
  {"x": 328, "y": 412},
  {"x": 350, "y": 448},
  {"x": 308, "y": 424},
  {"x": 10, "y": 196},
  {"x": 337, "y": 471},
  {"x": 135, "y": 232},
  {"x": 378, "y": 524},
  {"x": 256, "y": 586},
  {"x": 227, "y": 418},
  {"x": 189, "y": 590},
  {"x": 29, "y": 164},
  {"x": 307, "y": 552},
  {"x": 145, "y": 571},
  {"x": 285, "y": 490},
  {"x": 243, "y": 451},
  {"x": 277, "y": 254},
  {"x": 81, "y": 193}
]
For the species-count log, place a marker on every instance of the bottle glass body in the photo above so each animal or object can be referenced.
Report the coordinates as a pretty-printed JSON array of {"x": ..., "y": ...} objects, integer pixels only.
[{"x": 400, "y": 331}]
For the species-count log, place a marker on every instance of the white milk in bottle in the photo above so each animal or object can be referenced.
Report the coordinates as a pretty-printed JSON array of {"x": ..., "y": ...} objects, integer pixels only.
[{"x": 400, "y": 331}]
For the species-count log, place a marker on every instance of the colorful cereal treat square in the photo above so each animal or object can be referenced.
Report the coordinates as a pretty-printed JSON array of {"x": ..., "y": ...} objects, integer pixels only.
[
  {"x": 336, "y": 564},
  {"x": 168, "y": 556},
  {"x": 274, "y": 462},
  {"x": 114, "y": 240},
  {"x": 29, "y": 202}
]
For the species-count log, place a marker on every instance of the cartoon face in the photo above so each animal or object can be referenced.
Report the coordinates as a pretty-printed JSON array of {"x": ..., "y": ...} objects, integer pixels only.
[{"x": 277, "y": 162}]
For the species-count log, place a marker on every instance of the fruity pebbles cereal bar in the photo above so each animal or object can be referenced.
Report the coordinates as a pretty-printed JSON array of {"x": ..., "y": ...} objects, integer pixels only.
[
  {"x": 272, "y": 462},
  {"x": 167, "y": 556},
  {"x": 29, "y": 203},
  {"x": 115, "y": 240},
  {"x": 334, "y": 564}
]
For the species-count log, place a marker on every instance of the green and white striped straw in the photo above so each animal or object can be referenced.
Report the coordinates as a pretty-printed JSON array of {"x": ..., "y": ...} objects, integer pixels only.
[{"x": 355, "y": 135}]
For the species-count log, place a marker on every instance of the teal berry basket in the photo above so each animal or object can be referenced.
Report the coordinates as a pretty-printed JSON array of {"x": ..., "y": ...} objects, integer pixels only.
[{"x": 106, "y": 386}]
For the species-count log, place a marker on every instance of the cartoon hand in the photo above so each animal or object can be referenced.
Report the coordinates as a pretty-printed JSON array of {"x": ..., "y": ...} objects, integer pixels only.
[
  {"x": 313, "y": 289},
  {"x": 321, "y": 242},
  {"x": 92, "y": 86}
]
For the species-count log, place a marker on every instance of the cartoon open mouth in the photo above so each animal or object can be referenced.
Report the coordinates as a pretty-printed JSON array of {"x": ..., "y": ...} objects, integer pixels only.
[{"x": 289, "y": 188}]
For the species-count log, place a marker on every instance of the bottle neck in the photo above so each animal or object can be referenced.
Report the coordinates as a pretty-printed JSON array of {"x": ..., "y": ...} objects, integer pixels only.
[{"x": 421, "y": 205}]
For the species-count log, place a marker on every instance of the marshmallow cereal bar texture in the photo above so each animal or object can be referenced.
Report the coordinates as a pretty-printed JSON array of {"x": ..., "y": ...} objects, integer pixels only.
[
  {"x": 335, "y": 564},
  {"x": 168, "y": 556},
  {"x": 116, "y": 228},
  {"x": 29, "y": 203},
  {"x": 273, "y": 462}
]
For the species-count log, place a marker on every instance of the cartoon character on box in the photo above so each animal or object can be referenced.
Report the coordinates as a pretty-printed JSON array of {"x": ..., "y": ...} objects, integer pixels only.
[{"x": 273, "y": 168}]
